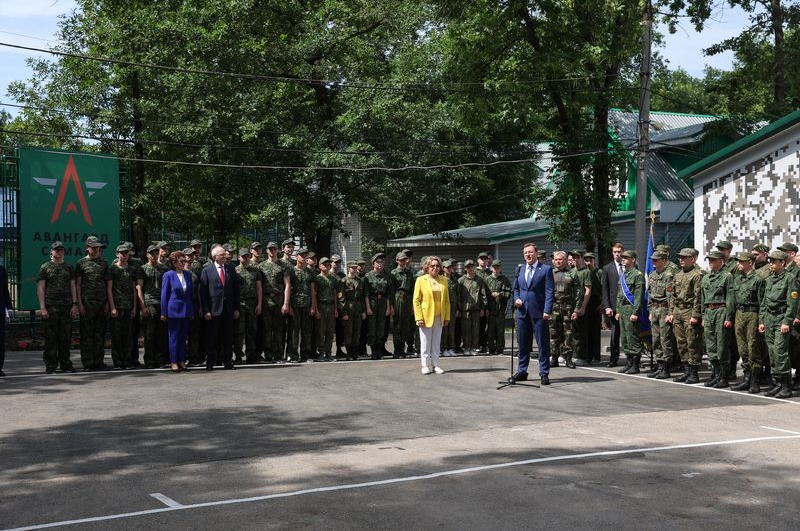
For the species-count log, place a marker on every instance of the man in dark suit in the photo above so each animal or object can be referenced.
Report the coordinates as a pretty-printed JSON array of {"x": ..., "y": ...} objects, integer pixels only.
[
  {"x": 5, "y": 304},
  {"x": 533, "y": 298},
  {"x": 219, "y": 298},
  {"x": 611, "y": 273}
]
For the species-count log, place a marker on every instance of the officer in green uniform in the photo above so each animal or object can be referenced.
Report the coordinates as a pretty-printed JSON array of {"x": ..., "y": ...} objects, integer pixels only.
[
  {"x": 594, "y": 312},
  {"x": 256, "y": 257},
  {"x": 164, "y": 248},
  {"x": 121, "y": 280},
  {"x": 659, "y": 289},
  {"x": 327, "y": 285},
  {"x": 351, "y": 309},
  {"x": 255, "y": 253},
  {"x": 136, "y": 263},
  {"x": 200, "y": 260},
  {"x": 561, "y": 343},
  {"x": 719, "y": 306},
  {"x": 483, "y": 271},
  {"x": 362, "y": 341},
  {"x": 749, "y": 291},
  {"x": 760, "y": 262},
  {"x": 380, "y": 292},
  {"x": 582, "y": 280},
  {"x": 90, "y": 286},
  {"x": 794, "y": 334},
  {"x": 249, "y": 277},
  {"x": 277, "y": 294},
  {"x": 472, "y": 302},
  {"x": 672, "y": 267},
  {"x": 776, "y": 313},
  {"x": 55, "y": 286},
  {"x": 731, "y": 266},
  {"x": 148, "y": 292},
  {"x": 336, "y": 269},
  {"x": 499, "y": 287},
  {"x": 287, "y": 247},
  {"x": 304, "y": 308},
  {"x": 685, "y": 315},
  {"x": 630, "y": 300},
  {"x": 403, "y": 320},
  {"x": 449, "y": 330}
]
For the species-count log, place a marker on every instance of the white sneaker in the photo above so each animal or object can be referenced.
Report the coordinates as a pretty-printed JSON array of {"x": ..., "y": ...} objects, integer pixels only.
[
  {"x": 449, "y": 353},
  {"x": 473, "y": 352},
  {"x": 438, "y": 370},
  {"x": 426, "y": 370}
]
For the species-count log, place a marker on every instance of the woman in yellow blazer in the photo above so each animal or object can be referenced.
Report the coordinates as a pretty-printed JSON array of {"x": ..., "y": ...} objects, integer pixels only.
[{"x": 431, "y": 311}]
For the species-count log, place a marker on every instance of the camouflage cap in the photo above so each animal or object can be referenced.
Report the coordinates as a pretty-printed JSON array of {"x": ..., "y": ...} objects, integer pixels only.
[
  {"x": 312, "y": 254},
  {"x": 542, "y": 254},
  {"x": 777, "y": 254},
  {"x": 324, "y": 260},
  {"x": 377, "y": 256},
  {"x": 272, "y": 245},
  {"x": 664, "y": 248},
  {"x": 162, "y": 244},
  {"x": 56, "y": 245},
  {"x": 228, "y": 247},
  {"x": 589, "y": 256},
  {"x": 407, "y": 252},
  {"x": 287, "y": 241},
  {"x": 760, "y": 248},
  {"x": 255, "y": 244},
  {"x": 401, "y": 256},
  {"x": 360, "y": 262},
  {"x": 336, "y": 258},
  {"x": 483, "y": 255},
  {"x": 189, "y": 251},
  {"x": 195, "y": 242},
  {"x": 93, "y": 241},
  {"x": 714, "y": 255},
  {"x": 744, "y": 256},
  {"x": 152, "y": 248},
  {"x": 354, "y": 264},
  {"x": 469, "y": 263},
  {"x": 628, "y": 254},
  {"x": 659, "y": 255},
  {"x": 302, "y": 250},
  {"x": 497, "y": 263},
  {"x": 447, "y": 263},
  {"x": 244, "y": 251},
  {"x": 576, "y": 252},
  {"x": 725, "y": 244},
  {"x": 122, "y": 248},
  {"x": 129, "y": 245},
  {"x": 788, "y": 247},
  {"x": 688, "y": 252}
]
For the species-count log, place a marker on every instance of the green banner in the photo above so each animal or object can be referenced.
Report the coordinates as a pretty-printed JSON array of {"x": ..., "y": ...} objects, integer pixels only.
[{"x": 65, "y": 197}]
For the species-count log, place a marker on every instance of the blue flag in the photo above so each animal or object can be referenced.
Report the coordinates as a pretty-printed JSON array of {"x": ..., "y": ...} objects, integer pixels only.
[{"x": 644, "y": 317}]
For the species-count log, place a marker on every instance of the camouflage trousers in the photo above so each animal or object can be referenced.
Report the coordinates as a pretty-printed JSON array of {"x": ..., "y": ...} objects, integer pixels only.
[
  {"x": 121, "y": 330},
  {"x": 689, "y": 337},
  {"x": 156, "y": 351},
  {"x": 561, "y": 332},
  {"x": 496, "y": 331},
  {"x": 629, "y": 334},
  {"x": 471, "y": 329},
  {"x": 351, "y": 328},
  {"x": 749, "y": 340},
  {"x": 717, "y": 337},
  {"x": 376, "y": 323},
  {"x": 93, "y": 335},
  {"x": 326, "y": 326},
  {"x": 273, "y": 340},
  {"x": 57, "y": 335},
  {"x": 244, "y": 331},
  {"x": 302, "y": 339},
  {"x": 403, "y": 322},
  {"x": 662, "y": 334}
]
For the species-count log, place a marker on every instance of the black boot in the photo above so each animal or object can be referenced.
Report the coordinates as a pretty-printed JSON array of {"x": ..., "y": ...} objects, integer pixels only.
[
  {"x": 693, "y": 377},
  {"x": 664, "y": 374},
  {"x": 682, "y": 378},
  {"x": 786, "y": 387},
  {"x": 634, "y": 369},
  {"x": 722, "y": 381},
  {"x": 796, "y": 382},
  {"x": 755, "y": 381},
  {"x": 775, "y": 388},
  {"x": 766, "y": 376},
  {"x": 744, "y": 385},
  {"x": 656, "y": 369},
  {"x": 627, "y": 366},
  {"x": 553, "y": 361},
  {"x": 715, "y": 373}
]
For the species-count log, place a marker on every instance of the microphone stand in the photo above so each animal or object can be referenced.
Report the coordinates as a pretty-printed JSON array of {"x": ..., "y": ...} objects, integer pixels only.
[{"x": 510, "y": 382}]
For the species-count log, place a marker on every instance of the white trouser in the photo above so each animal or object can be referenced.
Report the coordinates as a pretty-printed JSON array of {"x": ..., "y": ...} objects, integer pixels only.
[{"x": 430, "y": 339}]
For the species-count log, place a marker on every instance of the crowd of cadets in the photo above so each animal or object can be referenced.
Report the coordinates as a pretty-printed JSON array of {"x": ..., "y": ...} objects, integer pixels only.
[{"x": 293, "y": 307}]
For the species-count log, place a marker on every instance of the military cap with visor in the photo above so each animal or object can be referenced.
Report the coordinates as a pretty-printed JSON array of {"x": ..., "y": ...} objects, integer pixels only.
[
  {"x": 777, "y": 254},
  {"x": 725, "y": 244},
  {"x": 714, "y": 255},
  {"x": 629, "y": 254},
  {"x": 788, "y": 247},
  {"x": 56, "y": 245},
  {"x": 93, "y": 241},
  {"x": 744, "y": 256},
  {"x": 688, "y": 252}
]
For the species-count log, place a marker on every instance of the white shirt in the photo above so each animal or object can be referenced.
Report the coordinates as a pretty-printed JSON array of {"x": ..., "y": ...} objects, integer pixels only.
[{"x": 182, "y": 280}]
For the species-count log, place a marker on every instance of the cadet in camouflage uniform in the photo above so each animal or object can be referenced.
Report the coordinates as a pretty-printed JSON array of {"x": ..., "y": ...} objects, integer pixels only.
[
  {"x": 362, "y": 341},
  {"x": 563, "y": 308},
  {"x": 380, "y": 292},
  {"x": 304, "y": 308},
  {"x": 582, "y": 279},
  {"x": 594, "y": 312},
  {"x": 499, "y": 288},
  {"x": 249, "y": 277},
  {"x": 672, "y": 267},
  {"x": 472, "y": 303},
  {"x": 659, "y": 289},
  {"x": 776, "y": 313},
  {"x": 628, "y": 312},
  {"x": 287, "y": 247},
  {"x": 731, "y": 266},
  {"x": 55, "y": 287},
  {"x": 136, "y": 263},
  {"x": 148, "y": 291},
  {"x": 719, "y": 305},
  {"x": 351, "y": 309},
  {"x": 403, "y": 319},
  {"x": 121, "y": 280},
  {"x": 336, "y": 269},
  {"x": 685, "y": 314},
  {"x": 90, "y": 286},
  {"x": 277, "y": 294},
  {"x": 761, "y": 266},
  {"x": 256, "y": 257},
  {"x": 794, "y": 334},
  {"x": 327, "y": 286},
  {"x": 449, "y": 330},
  {"x": 483, "y": 271},
  {"x": 749, "y": 291}
]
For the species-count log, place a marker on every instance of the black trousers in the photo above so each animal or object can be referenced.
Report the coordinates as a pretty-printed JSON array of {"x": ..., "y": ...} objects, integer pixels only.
[
  {"x": 2, "y": 340},
  {"x": 219, "y": 340},
  {"x": 613, "y": 324}
]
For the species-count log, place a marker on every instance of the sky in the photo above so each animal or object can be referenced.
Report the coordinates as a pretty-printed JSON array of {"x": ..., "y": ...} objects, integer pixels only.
[{"x": 34, "y": 23}]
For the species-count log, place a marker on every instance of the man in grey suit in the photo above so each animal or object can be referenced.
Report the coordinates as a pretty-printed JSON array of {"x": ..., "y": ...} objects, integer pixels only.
[{"x": 611, "y": 273}]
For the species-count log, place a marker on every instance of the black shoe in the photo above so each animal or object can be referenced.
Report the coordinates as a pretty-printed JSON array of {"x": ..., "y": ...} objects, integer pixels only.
[
  {"x": 683, "y": 377},
  {"x": 744, "y": 385},
  {"x": 545, "y": 380},
  {"x": 613, "y": 363},
  {"x": 785, "y": 391},
  {"x": 87, "y": 369},
  {"x": 570, "y": 364},
  {"x": 2, "y": 374},
  {"x": 209, "y": 368},
  {"x": 49, "y": 370},
  {"x": 664, "y": 374},
  {"x": 518, "y": 377},
  {"x": 655, "y": 370},
  {"x": 230, "y": 366},
  {"x": 554, "y": 363},
  {"x": 775, "y": 388},
  {"x": 693, "y": 377}
]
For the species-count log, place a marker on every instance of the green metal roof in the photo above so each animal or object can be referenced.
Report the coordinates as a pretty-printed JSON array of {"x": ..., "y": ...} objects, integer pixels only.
[{"x": 742, "y": 144}]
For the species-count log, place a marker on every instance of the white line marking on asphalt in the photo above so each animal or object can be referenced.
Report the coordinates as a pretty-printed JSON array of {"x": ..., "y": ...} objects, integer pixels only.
[
  {"x": 784, "y": 431},
  {"x": 406, "y": 479},
  {"x": 169, "y": 502},
  {"x": 694, "y": 386}
]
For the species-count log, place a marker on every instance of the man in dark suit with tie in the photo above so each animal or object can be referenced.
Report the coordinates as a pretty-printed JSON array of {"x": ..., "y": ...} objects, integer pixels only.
[
  {"x": 611, "y": 273},
  {"x": 219, "y": 299},
  {"x": 5, "y": 304},
  {"x": 533, "y": 298}
]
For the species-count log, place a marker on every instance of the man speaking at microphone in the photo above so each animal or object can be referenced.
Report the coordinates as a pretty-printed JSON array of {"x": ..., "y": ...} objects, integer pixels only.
[{"x": 533, "y": 299}]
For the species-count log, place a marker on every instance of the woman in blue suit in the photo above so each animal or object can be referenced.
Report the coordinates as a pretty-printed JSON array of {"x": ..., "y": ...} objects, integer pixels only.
[{"x": 177, "y": 307}]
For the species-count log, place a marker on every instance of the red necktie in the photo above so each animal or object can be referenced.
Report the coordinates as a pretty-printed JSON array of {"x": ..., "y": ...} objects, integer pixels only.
[{"x": 222, "y": 275}]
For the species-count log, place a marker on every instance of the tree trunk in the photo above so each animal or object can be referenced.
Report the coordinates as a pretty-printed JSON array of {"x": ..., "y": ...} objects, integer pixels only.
[
  {"x": 139, "y": 229},
  {"x": 779, "y": 67}
]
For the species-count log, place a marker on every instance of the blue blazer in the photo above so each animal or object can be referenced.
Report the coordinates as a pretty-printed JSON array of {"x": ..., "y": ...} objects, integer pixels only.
[
  {"x": 215, "y": 298},
  {"x": 176, "y": 302},
  {"x": 536, "y": 296}
]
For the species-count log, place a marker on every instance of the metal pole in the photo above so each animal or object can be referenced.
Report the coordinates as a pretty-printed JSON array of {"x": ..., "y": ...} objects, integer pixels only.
[{"x": 640, "y": 222}]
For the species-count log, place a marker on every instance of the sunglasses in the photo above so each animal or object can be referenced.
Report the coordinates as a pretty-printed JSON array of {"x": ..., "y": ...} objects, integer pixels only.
[{"x": 435, "y": 265}]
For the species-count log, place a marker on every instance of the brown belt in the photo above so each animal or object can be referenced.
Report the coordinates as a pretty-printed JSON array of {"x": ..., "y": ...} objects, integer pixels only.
[
  {"x": 659, "y": 304},
  {"x": 747, "y": 308},
  {"x": 714, "y": 306},
  {"x": 684, "y": 306}
]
